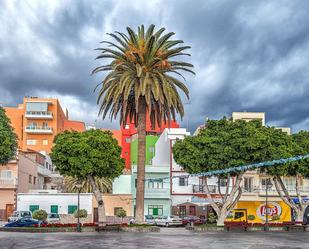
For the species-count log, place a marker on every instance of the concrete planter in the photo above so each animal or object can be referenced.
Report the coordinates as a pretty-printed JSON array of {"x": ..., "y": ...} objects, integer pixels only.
[
  {"x": 141, "y": 229},
  {"x": 45, "y": 229},
  {"x": 207, "y": 229}
]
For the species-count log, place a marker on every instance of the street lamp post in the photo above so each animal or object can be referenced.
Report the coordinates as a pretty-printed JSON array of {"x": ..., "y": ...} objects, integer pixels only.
[
  {"x": 78, "y": 186},
  {"x": 268, "y": 185}
]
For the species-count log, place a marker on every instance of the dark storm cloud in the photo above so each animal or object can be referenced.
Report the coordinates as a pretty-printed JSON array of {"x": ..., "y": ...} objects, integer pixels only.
[{"x": 248, "y": 55}]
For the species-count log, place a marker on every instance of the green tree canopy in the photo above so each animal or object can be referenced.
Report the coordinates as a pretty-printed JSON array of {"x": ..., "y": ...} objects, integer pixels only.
[
  {"x": 8, "y": 139},
  {"x": 94, "y": 152},
  {"x": 224, "y": 144},
  {"x": 86, "y": 156}
]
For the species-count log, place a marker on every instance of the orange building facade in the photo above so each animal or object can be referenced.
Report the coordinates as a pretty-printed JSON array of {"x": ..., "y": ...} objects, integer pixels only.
[{"x": 37, "y": 121}]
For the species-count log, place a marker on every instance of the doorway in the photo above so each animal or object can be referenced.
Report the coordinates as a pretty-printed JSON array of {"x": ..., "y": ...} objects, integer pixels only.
[
  {"x": 192, "y": 210},
  {"x": 9, "y": 209}
]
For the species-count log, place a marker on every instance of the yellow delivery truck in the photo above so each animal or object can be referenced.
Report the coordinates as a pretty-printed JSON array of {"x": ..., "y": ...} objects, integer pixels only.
[{"x": 255, "y": 212}]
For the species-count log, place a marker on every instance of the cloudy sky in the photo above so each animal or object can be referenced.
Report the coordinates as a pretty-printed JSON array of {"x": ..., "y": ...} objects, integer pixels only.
[{"x": 248, "y": 55}]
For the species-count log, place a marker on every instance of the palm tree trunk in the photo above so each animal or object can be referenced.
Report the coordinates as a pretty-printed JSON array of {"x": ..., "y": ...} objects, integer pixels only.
[
  {"x": 99, "y": 199},
  {"x": 141, "y": 158}
]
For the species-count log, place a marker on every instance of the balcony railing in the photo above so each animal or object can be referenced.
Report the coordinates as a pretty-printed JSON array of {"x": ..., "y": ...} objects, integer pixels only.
[
  {"x": 39, "y": 115},
  {"x": 8, "y": 182},
  {"x": 202, "y": 189},
  {"x": 39, "y": 129}
]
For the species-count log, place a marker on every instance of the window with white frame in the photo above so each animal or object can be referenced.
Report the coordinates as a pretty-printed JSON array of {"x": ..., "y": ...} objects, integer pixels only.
[
  {"x": 183, "y": 181},
  {"x": 155, "y": 184},
  {"x": 31, "y": 142},
  {"x": 248, "y": 184},
  {"x": 6, "y": 174},
  {"x": 289, "y": 183},
  {"x": 223, "y": 182}
]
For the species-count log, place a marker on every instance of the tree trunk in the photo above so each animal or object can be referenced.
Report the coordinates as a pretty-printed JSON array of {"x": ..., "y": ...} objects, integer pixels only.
[
  {"x": 299, "y": 215},
  {"x": 141, "y": 158},
  {"x": 99, "y": 199},
  {"x": 299, "y": 208},
  {"x": 230, "y": 200}
]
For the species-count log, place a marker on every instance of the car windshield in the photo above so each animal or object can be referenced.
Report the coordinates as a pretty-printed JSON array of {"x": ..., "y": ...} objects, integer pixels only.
[
  {"x": 172, "y": 216},
  {"x": 15, "y": 214},
  {"x": 25, "y": 214}
]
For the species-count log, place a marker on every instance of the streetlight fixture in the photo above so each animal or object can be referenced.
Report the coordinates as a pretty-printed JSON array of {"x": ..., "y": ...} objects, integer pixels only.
[
  {"x": 78, "y": 185},
  {"x": 268, "y": 185}
]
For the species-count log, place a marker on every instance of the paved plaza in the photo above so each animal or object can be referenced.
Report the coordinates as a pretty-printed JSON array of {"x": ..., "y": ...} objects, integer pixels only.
[{"x": 167, "y": 238}]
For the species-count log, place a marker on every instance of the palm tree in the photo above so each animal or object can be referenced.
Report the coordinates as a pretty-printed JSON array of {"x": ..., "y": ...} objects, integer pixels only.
[
  {"x": 140, "y": 81},
  {"x": 104, "y": 185}
]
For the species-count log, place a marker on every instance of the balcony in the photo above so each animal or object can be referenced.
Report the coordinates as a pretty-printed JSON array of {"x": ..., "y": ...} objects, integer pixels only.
[
  {"x": 39, "y": 130},
  {"x": 157, "y": 193},
  {"x": 39, "y": 115},
  {"x": 291, "y": 190},
  {"x": 44, "y": 171},
  {"x": 201, "y": 189},
  {"x": 8, "y": 182}
]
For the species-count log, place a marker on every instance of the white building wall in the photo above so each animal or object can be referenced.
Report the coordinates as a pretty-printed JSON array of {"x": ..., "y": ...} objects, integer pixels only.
[
  {"x": 62, "y": 200},
  {"x": 122, "y": 184}
]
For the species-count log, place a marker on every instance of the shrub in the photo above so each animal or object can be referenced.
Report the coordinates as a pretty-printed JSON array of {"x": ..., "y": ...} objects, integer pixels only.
[
  {"x": 275, "y": 218},
  {"x": 251, "y": 217},
  {"x": 121, "y": 213},
  {"x": 82, "y": 213},
  {"x": 40, "y": 215},
  {"x": 211, "y": 218}
]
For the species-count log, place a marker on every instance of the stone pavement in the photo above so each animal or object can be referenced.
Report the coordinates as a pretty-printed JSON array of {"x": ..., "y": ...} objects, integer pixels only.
[{"x": 167, "y": 238}]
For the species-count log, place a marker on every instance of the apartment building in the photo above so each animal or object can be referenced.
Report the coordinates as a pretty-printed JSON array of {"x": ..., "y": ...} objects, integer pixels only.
[
  {"x": 37, "y": 121},
  {"x": 29, "y": 171}
]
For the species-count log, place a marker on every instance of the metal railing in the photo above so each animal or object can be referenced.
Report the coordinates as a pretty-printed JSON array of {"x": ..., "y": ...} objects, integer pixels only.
[
  {"x": 8, "y": 182},
  {"x": 39, "y": 113},
  {"x": 39, "y": 128},
  {"x": 202, "y": 189}
]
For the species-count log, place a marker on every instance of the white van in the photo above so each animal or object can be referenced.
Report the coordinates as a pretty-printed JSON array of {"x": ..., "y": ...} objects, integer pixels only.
[{"x": 19, "y": 214}]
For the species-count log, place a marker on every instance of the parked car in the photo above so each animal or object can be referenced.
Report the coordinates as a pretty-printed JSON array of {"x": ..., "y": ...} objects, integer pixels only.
[
  {"x": 19, "y": 214},
  {"x": 167, "y": 221},
  {"x": 23, "y": 222},
  {"x": 192, "y": 219},
  {"x": 53, "y": 218},
  {"x": 149, "y": 219}
]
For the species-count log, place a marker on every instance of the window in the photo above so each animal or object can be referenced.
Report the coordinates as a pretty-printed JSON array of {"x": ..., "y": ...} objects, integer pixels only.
[
  {"x": 238, "y": 215},
  {"x": 155, "y": 184},
  {"x": 54, "y": 209},
  {"x": 34, "y": 180},
  {"x": 45, "y": 142},
  {"x": 183, "y": 181},
  {"x": 155, "y": 210},
  {"x": 182, "y": 211},
  {"x": 265, "y": 181},
  {"x": 116, "y": 209},
  {"x": 135, "y": 183},
  {"x": 31, "y": 142},
  {"x": 6, "y": 174},
  {"x": 36, "y": 106},
  {"x": 128, "y": 140},
  {"x": 30, "y": 179},
  {"x": 223, "y": 182},
  {"x": 248, "y": 184},
  {"x": 45, "y": 124},
  {"x": 290, "y": 183},
  {"x": 71, "y": 209},
  {"x": 32, "y": 208}
]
